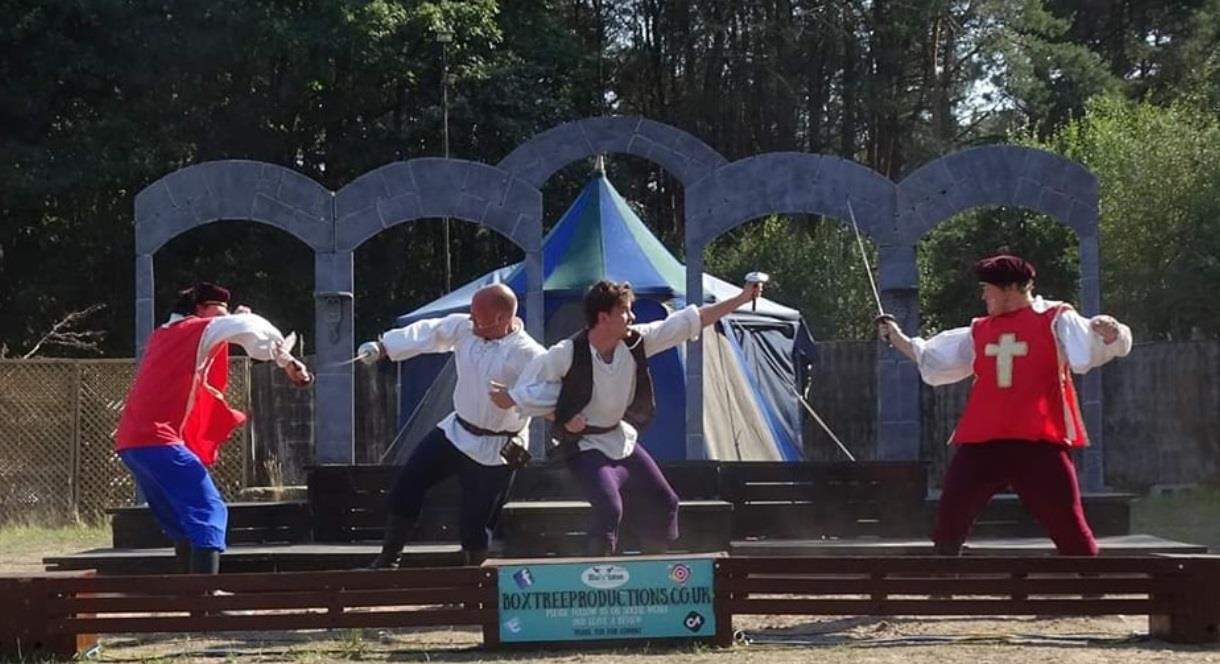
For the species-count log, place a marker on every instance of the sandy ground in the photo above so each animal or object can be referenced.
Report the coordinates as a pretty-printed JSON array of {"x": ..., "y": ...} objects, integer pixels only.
[{"x": 767, "y": 639}]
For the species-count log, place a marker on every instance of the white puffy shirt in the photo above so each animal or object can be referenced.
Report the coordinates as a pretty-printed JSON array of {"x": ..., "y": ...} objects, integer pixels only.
[
  {"x": 479, "y": 361},
  {"x": 949, "y": 356},
  {"x": 613, "y": 383}
]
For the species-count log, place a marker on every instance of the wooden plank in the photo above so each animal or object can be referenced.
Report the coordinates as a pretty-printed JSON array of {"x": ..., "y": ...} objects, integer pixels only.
[
  {"x": 135, "y": 527},
  {"x": 956, "y": 586},
  {"x": 259, "y": 558},
  {"x": 544, "y": 481},
  {"x": 540, "y": 506},
  {"x": 904, "y": 564},
  {"x": 266, "y": 622},
  {"x": 303, "y": 599},
  {"x": 234, "y": 507},
  {"x": 435, "y": 577},
  {"x": 693, "y": 480},
  {"x": 1108, "y": 514},
  {"x": 996, "y": 607}
]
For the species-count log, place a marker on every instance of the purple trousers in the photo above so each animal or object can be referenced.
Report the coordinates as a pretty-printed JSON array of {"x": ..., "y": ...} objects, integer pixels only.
[{"x": 631, "y": 490}]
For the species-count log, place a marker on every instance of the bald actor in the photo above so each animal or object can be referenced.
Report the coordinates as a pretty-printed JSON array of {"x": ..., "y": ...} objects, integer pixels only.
[{"x": 482, "y": 444}]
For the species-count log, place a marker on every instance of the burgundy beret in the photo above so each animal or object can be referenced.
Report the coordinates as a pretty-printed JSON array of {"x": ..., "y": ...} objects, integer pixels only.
[
  {"x": 1004, "y": 269},
  {"x": 207, "y": 292}
]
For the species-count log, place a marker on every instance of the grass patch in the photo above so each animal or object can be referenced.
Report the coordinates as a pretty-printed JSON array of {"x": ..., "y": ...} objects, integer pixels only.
[
  {"x": 22, "y": 547},
  {"x": 1187, "y": 516}
]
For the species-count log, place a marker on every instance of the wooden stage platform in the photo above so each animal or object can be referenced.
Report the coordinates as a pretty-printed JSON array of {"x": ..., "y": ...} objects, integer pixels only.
[
  {"x": 802, "y": 509},
  {"x": 313, "y": 556}
]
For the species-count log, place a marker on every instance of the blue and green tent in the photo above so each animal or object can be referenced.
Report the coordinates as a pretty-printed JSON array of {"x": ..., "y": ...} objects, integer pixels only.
[{"x": 752, "y": 362}]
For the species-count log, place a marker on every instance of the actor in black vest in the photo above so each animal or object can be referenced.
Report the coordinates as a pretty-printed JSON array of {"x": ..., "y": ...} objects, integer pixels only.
[{"x": 597, "y": 388}]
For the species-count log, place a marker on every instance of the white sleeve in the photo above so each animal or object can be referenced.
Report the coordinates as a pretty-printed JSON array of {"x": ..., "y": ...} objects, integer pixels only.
[
  {"x": 435, "y": 335},
  {"x": 1085, "y": 348},
  {"x": 537, "y": 390},
  {"x": 945, "y": 358},
  {"x": 676, "y": 328},
  {"x": 525, "y": 354},
  {"x": 260, "y": 339}
]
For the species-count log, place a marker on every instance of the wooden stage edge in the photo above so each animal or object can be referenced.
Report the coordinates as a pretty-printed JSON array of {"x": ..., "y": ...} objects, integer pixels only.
[{"x": 314, "y": 556}]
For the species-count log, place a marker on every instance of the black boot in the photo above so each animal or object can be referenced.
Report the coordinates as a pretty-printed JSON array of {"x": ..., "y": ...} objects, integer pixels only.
[
  {"x": 205, "y": 561},
  {"x": 397, "y": 530},
  {"x": 598, "y": 547},
  {"x": 182, "y": 555},
  {"x": 473, "y": 557}
]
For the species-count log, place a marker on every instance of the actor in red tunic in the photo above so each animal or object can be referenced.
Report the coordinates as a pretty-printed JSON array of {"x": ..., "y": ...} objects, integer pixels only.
[
  {"x": 1022, "y": 418},
  {"x": 175, "y": 417}
]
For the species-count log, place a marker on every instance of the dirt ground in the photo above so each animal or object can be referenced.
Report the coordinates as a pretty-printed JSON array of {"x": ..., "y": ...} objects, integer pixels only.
[
  {"x": 797, "y": 639},
  {"x": 767, "y": 639}
]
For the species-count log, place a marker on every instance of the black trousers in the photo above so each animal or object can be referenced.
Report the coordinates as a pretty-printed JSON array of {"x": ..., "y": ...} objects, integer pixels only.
[{"x": 483, "y": 488}]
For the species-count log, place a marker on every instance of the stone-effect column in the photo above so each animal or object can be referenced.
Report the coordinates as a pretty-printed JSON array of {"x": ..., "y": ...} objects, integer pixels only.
[
  {"x": 1092, "y": 467},
  {"x": 898, "y": 416},
  {"x": 145, "y": 302},
  {"x": 535, "y": 324},
  {"x": 334, "y": 401}
]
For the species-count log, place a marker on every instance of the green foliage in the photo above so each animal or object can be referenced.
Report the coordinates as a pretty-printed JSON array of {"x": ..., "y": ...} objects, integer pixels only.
[
  {"x": 815, "y": 266},
  {"x": 108, "y": 96},
  {"x": 103, "y": 97},
  {"x": 1159, "y": 169},
  {"x": 949, "y": 293}
]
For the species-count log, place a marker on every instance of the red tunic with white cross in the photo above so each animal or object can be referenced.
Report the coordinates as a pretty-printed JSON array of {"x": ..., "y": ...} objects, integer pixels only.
[
  {"x": 171, "y": 402},
  {"x": 1022, "y": 386}
]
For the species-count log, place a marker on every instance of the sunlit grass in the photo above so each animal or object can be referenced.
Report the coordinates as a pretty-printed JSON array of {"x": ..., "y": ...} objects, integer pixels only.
[
  {"x": 23, "y": 546},
  {"x": 1191, "y": 516}
]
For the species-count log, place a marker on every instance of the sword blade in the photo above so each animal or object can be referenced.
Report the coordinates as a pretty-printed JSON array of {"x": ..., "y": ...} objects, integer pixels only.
[
  {"x": 825, "y": 427},
  {"x": 868, "y": 269}
]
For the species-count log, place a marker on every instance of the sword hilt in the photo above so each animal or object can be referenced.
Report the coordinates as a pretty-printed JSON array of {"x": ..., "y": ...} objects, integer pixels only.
[{"x": 756, "y": 278}]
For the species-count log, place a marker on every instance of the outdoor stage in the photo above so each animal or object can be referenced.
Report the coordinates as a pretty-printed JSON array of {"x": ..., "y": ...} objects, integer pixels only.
[
  {"x": 758, "y": 539},
  {"x": 735, "y": 508}
]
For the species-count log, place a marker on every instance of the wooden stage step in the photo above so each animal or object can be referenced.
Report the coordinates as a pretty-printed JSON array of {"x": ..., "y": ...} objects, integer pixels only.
[
  {"x": 534, "y": 528},
  {"x": 1118, "y": 545},
  {"x": 257, "y": 558},
  {"x": 304, "y": 557}
]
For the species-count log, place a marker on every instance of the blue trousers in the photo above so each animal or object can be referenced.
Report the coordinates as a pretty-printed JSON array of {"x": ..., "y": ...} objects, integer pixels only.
[
  {"x": 483, "y": 488},
  {"x": 181, "y": 494}
]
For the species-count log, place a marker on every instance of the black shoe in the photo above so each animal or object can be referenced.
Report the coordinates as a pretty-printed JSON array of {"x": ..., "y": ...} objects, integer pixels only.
[
  {"x": 473, "y": 557},
  {"x": 205, "y": 561},
  {"x": 599, "y": 548},
  {"x": 182, "y": 556},
  {"x": 397, "y": 530}
]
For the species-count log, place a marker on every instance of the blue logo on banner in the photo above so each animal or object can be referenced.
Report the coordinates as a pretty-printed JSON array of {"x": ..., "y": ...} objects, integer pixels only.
[{"x": 523, "y": 578}]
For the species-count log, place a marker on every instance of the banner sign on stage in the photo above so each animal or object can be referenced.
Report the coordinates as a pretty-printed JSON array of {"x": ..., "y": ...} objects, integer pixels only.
[{"x": 614, "y": 599}]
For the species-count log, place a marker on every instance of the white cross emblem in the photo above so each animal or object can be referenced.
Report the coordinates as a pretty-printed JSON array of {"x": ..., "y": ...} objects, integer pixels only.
[{"x": 1003, "y": 353}]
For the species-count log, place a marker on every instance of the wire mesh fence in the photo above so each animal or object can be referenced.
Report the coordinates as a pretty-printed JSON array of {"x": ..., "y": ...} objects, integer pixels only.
[{"x": 57, "y": 422}]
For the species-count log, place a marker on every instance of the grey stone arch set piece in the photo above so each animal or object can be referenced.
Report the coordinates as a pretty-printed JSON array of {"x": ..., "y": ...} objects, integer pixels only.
[
  {"x": 896, "y": 217},
  {"x": 333, "y": 225},
  {"x": 719, "y": 197}
]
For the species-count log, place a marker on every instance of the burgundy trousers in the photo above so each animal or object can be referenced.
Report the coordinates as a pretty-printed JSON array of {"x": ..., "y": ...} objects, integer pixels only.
[{"x": 1041, "y": 474}]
